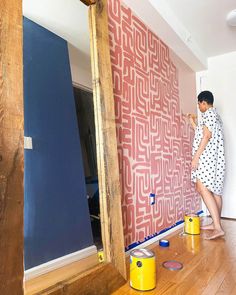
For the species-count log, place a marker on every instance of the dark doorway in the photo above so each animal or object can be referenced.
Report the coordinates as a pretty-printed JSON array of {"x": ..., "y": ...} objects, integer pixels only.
[{"x": 86, "y": 123}]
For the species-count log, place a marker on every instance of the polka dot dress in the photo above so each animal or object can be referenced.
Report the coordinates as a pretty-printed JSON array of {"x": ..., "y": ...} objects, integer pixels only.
[{"x": 211, "y": 168}]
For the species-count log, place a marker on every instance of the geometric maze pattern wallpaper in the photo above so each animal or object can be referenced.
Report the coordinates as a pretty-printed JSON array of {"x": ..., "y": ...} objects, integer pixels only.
[{"x": 154, "y": 140}]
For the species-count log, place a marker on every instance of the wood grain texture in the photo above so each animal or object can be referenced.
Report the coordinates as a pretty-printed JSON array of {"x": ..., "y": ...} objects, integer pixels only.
[
  {"x": 53, "y": 278},
  {"x": 11, "y": 148},
  {"x": 209, "y": 266},
  {"x": 103, "y": 280},
  {"x": 107, "y": 155}
]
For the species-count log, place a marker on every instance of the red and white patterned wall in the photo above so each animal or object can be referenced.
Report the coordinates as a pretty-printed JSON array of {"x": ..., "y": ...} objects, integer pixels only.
[{"x": 154, "y": 141}]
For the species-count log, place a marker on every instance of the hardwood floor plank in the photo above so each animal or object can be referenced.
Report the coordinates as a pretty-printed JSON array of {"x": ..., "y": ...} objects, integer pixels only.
[
  {"x": 36, "y": 285},
  {"x": 209, "y": 266},
  {"x": 229, "y": 282},
  {"x": 217, "y": 279},
  {"x": 233, "y": 292}
]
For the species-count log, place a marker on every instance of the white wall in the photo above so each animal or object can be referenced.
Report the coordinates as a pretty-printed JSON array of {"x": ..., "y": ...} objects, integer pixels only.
[
  {"x": 221, "y": 80},
  {"x": 80, "y": 67},
  {"x": 66, "y": 18},
  {"x": 69, "y": 20},
  {"x": 187, "y": 85}
]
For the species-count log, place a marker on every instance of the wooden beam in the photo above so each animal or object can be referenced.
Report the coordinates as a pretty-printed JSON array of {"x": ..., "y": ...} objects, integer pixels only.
[
  {"x": 11, "y": 148},
  {"x": 107, "y": 154},
  {"x": 88, "y": 2}
]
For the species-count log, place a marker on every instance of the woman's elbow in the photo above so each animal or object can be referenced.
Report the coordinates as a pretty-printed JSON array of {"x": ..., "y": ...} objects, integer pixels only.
[{"x": 208, "y": 136}]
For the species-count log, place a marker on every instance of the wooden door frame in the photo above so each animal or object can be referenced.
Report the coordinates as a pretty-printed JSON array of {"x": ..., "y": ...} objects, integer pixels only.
[
  {"x": 107, "y": 276},
  {"x": 106, "y": 140},
  {"x": 11, "y": 148}
]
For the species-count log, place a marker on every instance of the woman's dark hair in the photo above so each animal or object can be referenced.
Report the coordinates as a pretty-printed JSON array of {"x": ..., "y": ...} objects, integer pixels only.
[{"x": 206, "y": 96}]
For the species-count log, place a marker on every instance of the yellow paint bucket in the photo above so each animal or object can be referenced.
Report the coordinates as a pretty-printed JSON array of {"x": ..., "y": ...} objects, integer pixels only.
[
  {"x": 192, "y": 224},
  {"x": 142, "y": 270}
]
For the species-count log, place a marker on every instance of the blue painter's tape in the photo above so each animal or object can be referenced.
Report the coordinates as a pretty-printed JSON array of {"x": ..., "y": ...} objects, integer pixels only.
[
  {"x": 164, "y": 243},
  {"x": 152, "y": 199},
  {"x": 179, "y": 222},
  {"x": 135, "y": 244}
]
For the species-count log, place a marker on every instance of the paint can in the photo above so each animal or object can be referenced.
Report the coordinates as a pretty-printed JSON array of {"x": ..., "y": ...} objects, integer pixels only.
[
  {"x": 142, "y": 270},
  {"x": 100, "y": 255},
  {"x": 192, "y": 224}
]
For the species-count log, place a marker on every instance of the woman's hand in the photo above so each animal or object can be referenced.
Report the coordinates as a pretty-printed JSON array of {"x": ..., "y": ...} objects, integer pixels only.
[
  {"x": 192, "y": 119},
  {"x": 191, "y": 116}
]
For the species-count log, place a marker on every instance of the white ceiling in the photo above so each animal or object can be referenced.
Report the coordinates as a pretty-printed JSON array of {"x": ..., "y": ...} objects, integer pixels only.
[
  {"x": 205, "y": 21},
  {"x": 193, "y": 29},
  {"x": 66, "y": 18}
]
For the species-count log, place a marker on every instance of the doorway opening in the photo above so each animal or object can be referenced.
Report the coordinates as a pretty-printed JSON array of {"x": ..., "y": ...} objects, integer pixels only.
[{"x": 85, "y": 116}]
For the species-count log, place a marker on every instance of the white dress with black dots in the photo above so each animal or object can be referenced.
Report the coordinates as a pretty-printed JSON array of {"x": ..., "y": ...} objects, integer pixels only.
[{"x": 211, "y": 168}]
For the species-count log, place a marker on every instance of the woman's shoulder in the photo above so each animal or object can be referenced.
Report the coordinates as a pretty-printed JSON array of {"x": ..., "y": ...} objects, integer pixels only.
[{"x": 210, "y": 113}]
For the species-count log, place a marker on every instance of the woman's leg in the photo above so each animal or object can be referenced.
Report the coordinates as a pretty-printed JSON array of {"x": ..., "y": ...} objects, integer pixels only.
[
  {"x": 212, "y": 206},
  {"x": 218, "y": 200}
]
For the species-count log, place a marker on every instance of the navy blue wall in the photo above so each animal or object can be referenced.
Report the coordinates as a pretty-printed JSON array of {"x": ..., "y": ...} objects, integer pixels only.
[{"x": 56, "y": 209}]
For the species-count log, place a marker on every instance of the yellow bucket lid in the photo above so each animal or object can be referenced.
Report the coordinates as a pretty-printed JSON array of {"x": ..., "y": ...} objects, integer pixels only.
[{"x": 142, "y": 253}]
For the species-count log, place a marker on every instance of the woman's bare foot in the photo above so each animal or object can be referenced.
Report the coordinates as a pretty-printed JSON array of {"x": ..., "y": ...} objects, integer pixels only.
[
  {"x": 215, "y": 234},
  {"x": 208, "y": 227}
]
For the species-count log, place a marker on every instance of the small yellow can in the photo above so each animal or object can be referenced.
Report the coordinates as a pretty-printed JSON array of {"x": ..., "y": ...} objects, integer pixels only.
[
  {"x": 142, "y": 270},
  {"x": 100, "y": 255},
  {"x": 192, "y": 224}
]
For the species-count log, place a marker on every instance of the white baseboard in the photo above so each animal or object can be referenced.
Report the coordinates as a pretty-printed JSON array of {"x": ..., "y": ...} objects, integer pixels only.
[
  {"x": 59, "y": 262},
  {"x": 157, "y": 238}
]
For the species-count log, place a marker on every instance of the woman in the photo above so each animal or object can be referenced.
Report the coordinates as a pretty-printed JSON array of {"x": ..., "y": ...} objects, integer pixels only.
[{"x": 208, "y": 162}]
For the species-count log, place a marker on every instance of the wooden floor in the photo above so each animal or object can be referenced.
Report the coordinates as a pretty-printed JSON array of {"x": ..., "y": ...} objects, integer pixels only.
[
  {"x": 209, "y": 266},
  {"x": 37, "y": 285}
]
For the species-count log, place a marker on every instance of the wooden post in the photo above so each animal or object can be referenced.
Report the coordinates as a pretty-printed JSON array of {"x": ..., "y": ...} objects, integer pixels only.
[
  {"x": 107, "y": 154},
  {"x": 88, "y": 2},
  {"x": 11, "y": 148}
]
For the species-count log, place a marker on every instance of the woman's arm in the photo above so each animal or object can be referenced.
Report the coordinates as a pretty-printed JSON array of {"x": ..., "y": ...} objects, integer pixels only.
[{"x": 192, "y": 119}]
